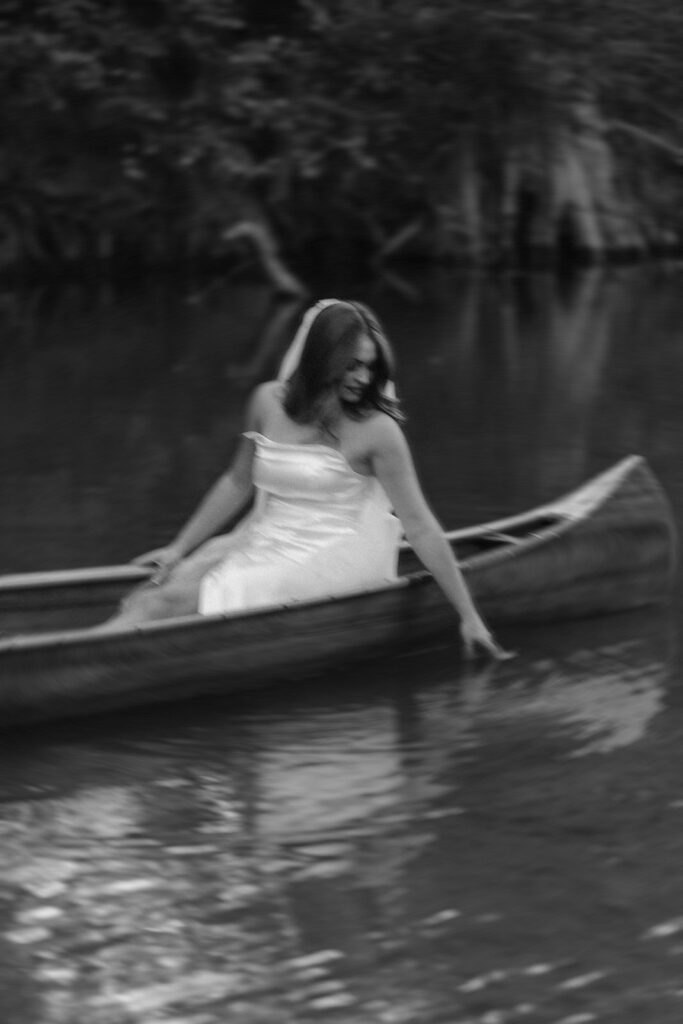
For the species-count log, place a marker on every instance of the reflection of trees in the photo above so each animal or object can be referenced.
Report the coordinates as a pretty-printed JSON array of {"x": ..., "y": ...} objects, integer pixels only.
[
  {"x": 575, "y": 334},
  {"x": 511, "y": 371},
  {"x": 122, "y": 414},
  {"x": 642, "y": 405},
  {"x": 271, "y": 343},
  {"x": 117, "y": 411}
]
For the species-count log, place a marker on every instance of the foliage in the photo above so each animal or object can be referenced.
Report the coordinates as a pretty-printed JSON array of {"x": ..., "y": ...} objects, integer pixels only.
[
  {"x": 144, "y": 128},
  {"x": 113, "y": 115}
]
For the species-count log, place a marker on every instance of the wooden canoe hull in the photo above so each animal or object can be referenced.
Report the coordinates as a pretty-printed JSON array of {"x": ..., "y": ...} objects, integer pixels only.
[
  {"x": 623, "y": 555},
  {"x": 615, "y": 550}
]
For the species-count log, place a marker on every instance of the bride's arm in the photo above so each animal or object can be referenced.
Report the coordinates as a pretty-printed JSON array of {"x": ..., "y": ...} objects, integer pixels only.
[
  {"x": 392, "y": 464},
  {"x": 225, "y": 500}
]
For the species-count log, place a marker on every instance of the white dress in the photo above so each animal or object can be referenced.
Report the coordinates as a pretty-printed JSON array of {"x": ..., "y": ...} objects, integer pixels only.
[{"x": 318, "y": 529}]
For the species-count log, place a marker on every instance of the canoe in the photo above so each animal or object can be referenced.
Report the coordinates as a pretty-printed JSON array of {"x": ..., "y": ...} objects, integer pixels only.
[{"x": 609, "y": 546}]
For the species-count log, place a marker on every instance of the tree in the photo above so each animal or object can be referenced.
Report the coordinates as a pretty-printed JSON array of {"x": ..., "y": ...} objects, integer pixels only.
[{"x": 146, "y": 129}]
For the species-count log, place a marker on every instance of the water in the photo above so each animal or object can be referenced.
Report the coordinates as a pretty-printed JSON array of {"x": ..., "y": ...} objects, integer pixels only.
[{"x": 408, "y": 842}]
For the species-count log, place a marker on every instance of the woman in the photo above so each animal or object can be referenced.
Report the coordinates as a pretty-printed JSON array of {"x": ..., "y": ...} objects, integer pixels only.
[{"x": 326, "y": 460}]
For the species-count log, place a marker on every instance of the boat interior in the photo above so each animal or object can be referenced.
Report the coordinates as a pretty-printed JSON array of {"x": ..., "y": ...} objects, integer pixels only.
[
  {"x": 511, "y": 536},
  {"x": 468, "y": 544}
]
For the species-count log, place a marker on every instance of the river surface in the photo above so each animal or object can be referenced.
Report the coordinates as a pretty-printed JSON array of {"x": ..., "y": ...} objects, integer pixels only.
[{"x": 412, "y": 842}]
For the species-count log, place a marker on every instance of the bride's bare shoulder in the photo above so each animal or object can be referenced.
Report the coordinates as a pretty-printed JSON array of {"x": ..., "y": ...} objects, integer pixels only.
[
  {"x": 263, "y": 400},
  {"x": 267, "y": 395},
  {"x": 269, "y": 390},
  {"x": 380, "y": 432},
  {"x": 384, "y": 426}
]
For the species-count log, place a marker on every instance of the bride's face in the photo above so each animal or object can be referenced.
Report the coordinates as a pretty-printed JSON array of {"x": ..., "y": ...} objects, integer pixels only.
[{"x": 359, "y": 371}]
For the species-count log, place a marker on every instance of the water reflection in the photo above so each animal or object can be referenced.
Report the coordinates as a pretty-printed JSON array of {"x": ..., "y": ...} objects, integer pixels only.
[
  {"x": 117, "y": 412},
  {"x": 410, "y": 842},
  {"x": 604, "y": 699},
  {"x": 512, "y": 383},
  {"x": 283, "y": 850},
  {"x": 114, "y": 418}
]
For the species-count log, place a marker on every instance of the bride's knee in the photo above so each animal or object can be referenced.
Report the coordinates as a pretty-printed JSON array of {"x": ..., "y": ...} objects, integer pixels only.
[
  {"x": 171, "y": 599},
  {"x": 147, "y": 602}
]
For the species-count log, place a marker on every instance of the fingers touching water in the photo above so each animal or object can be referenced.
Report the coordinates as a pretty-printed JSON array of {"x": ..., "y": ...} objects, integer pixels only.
[{"x": 477, "y": 639}]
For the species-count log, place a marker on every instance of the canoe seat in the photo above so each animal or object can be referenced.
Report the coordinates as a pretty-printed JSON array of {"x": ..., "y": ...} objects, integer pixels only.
[{"x": 503, "y": 538}]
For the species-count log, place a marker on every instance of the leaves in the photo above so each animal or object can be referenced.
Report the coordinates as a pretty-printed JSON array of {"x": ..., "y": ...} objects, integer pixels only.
[{"x": 340, "y": 117}]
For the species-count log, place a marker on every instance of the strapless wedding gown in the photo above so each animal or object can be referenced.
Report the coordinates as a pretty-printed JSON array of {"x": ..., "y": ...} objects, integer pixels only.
[{"x": 317, "y": 529}]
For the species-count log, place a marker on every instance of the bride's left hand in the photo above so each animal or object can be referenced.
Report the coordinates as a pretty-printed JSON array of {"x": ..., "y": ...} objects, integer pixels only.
[{"x": 477, "y": 638}]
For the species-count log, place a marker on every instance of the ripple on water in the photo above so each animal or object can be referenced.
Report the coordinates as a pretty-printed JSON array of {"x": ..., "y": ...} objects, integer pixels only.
[
  {"x": 368, "y": 860},
  {"x": 601, "y": 700}
]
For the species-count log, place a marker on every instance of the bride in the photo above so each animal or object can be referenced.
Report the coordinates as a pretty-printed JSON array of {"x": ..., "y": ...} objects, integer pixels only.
[{"x": 325, "y": 462}]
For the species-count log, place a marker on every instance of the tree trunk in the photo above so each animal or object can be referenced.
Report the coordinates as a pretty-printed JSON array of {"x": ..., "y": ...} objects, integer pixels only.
[
  {"x": 459, "y": 223},
  {"x": 579, "y": 207}
]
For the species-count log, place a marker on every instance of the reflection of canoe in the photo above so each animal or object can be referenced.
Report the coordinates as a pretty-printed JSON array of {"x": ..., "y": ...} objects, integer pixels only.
[{"x": 608, "y": 546}]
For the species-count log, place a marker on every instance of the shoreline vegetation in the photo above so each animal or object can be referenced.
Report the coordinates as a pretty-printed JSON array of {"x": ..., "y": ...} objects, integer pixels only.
[{"x": 145, "y": 134}]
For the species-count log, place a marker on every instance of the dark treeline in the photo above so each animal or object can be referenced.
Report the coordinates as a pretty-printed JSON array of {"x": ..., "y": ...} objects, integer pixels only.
[{"x": 143, "y": 132}]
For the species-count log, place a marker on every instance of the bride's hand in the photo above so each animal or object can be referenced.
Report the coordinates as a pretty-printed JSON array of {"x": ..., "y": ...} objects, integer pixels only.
[
  {"x": 475, "y": 635},
  {"x": 162, "y": 560}
]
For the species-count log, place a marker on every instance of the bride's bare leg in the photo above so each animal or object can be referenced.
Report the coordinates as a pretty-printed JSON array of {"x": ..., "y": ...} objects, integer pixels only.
[
  {"x": 149, "y": 603},
  {"x": 178, "y": 595}
]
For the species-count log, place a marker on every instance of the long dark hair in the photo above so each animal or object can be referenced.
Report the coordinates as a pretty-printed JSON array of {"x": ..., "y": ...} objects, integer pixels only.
[{"x": 327, "y": 352}]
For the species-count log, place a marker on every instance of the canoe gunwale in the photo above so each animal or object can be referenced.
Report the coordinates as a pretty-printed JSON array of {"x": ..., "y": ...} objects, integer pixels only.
[
  {"x": 196, "y": 621},
  {"x": 595, "y": 493},
  {"x": 89, "y": 576},
  {"x": 71, "y": 673},
  {"x": 562, "y": 510}
]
